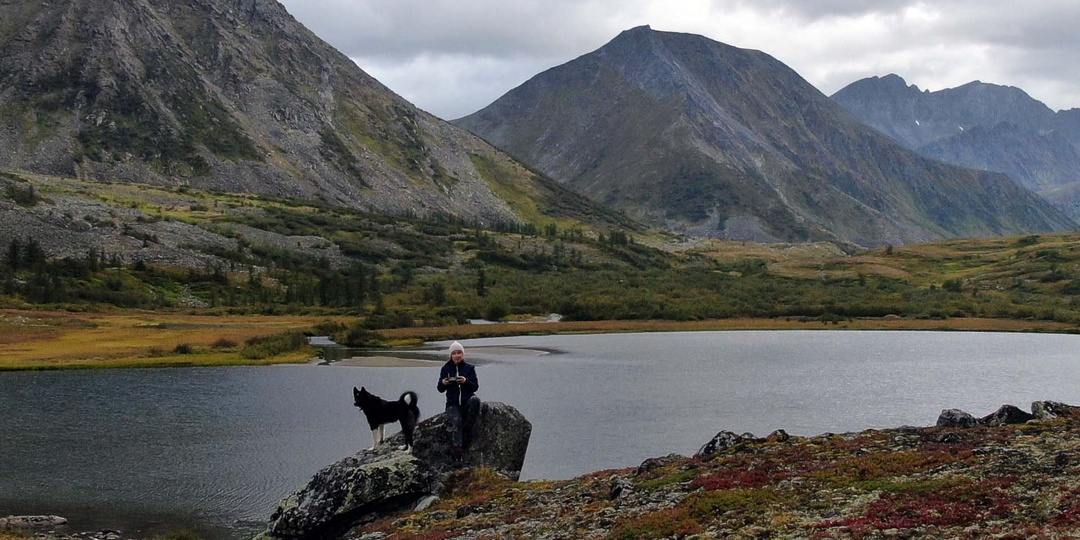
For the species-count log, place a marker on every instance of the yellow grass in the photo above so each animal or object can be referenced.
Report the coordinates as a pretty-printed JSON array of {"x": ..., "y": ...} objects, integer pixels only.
[
  {"x": 42, "y": 340},
  {"x": 60, "y": 340}
]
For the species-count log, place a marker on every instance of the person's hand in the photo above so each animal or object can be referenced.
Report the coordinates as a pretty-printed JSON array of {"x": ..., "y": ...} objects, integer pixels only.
[
  {"x": 460, "y": 379},
  {"x": 446, "y": 381}
]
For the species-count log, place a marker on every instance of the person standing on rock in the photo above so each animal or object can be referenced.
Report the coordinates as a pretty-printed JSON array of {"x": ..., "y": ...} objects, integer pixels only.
[{"x": 458, "y": 380}]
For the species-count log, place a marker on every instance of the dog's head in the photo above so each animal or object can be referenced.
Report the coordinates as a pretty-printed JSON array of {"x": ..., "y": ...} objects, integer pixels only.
[{"x": 361, "y": 397}]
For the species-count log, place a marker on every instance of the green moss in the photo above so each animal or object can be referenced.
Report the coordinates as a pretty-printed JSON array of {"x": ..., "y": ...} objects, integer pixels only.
[
  {"x": 911, "y": 486},
  {"x": 713, "y": 503},
  {"x": 676, "y": 478}
]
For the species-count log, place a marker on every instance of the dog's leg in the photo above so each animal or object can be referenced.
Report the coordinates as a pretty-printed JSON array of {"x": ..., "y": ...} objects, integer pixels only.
[
  {"x": 408, "y": 425},
  {"x": 374, "y": 439},
  {"x": 382, "y": 434}
]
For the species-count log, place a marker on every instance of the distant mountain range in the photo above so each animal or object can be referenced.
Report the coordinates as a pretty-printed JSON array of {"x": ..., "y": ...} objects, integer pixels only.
[
  {"x": 978, "y": 125},
  {"x": 237, "y": 96},
  {"x": 701, "y": 137},
  {"x": 675, "y": 129}
]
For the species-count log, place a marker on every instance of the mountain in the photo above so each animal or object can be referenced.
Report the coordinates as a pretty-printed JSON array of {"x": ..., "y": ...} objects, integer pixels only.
[
  {"x": 718, "y": 141},
  {"x": 978, "y": 125},
  {"x": 237, "y": 96}
]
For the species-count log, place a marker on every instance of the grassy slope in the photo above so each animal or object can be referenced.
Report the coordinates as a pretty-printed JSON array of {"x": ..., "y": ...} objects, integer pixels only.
[{"x": 428, "y": 273}]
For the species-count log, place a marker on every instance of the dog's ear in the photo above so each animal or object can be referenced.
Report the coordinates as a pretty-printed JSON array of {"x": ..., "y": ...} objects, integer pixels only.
[{"x": 355, "y": 392}]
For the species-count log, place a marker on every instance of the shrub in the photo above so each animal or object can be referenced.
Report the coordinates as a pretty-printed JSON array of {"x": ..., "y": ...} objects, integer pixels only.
[
  {"x": 327, "y": 328},
  {"x": 258, "y": 348},
  {"x": 358, "y": 335},
  {"x": 223, "y": 343}
]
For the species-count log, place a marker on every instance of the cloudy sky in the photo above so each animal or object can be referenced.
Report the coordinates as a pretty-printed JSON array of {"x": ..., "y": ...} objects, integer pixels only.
[{"x": 453, "y": 57}]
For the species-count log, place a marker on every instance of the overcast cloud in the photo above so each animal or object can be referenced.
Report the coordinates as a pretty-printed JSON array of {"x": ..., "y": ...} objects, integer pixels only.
[{"x": 452, "y": 58}]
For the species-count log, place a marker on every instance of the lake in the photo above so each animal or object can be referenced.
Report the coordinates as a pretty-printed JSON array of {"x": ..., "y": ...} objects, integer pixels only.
[{"x": 212, "y": 450}]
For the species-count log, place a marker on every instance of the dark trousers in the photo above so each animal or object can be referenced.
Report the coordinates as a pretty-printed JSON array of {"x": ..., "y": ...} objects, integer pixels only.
[{"x": 458, "y": 420}]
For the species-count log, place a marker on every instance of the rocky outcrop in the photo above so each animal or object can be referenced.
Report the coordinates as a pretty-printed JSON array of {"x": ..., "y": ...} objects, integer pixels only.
[
  {"x": 31, "y": 522},
  {"x": 956, "y": 418},
  {"x": 725, "y": 440},
  {"x": 1008, "y": 414},
  {"x": 360, "y": 488},
  {"x": 908, "y": 482}
]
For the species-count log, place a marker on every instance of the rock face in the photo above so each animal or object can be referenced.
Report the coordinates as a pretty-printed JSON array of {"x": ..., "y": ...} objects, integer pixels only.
[{"x": 363, "y": 487}]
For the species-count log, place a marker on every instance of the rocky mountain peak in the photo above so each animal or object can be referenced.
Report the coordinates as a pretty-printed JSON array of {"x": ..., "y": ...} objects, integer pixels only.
[
  {"x": 980, "y": 125},
  {"x": 713, "y": 140},
  {"x": 237, "y": 96}
]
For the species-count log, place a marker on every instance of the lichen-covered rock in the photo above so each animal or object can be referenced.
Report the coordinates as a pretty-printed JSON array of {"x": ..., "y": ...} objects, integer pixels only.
[
  {"x": 722, "y": 441},
  {"x": 31, "y": 522},
  {"x": 349, "y": 491},
  {"x": 500, "y": 439},
  {"x": 1006, "y": 414},
  {"x": 956, "y": 418},
  {"x": 370, "y": 484},
  {"x": 1046, "y": 410}
]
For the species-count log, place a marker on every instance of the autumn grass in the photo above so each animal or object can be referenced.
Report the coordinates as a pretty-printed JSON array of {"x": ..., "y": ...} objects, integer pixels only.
[
  {"x": 125, "y": 339},
  {"x": 470, "y": 331},
  {"x": 58, "y": 340}
]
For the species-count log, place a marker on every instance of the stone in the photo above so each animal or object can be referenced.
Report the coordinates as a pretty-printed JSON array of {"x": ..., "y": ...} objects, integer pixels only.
[
  {"x": 1047, "y": 410},
  {"x": 1006, "y": 414},
  {"x": 371, "y": 484},
  {"x": 720, "y": 442},
  {"x": 500, "y": 439},
  {"x": 653, "y": 463},
  {"x": 31, "y": 522},
  {"x": 778, "y": 436},
  {"x": 956, "y": 418},
  {"x": 620, "y": 488},
  {"x": 426, "y": 503}
]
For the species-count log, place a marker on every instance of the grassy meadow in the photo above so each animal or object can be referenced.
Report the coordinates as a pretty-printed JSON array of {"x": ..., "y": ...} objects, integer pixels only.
[{"x": 60, "y": 339}]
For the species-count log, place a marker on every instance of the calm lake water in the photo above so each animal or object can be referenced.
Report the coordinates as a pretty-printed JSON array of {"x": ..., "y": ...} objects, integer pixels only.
[{"x": 213, "y": 449}]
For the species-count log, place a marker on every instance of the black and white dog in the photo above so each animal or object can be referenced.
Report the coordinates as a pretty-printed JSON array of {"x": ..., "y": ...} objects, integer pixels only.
[{"x": 380, "y": 412}]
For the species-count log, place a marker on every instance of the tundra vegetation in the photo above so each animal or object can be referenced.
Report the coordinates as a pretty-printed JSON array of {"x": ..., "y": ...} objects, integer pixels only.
[
  {"x": 393, "y": 280},
  {"x": 1012, "y": 481}
]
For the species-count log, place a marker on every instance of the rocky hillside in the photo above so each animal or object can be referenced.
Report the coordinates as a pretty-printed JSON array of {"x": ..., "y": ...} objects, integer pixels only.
[
  {"x": 978, "y": 125},
  {"x": 236, "y": 96},
  {"x": 996, "y": 480},
  {"x": 718, "y": 141}
]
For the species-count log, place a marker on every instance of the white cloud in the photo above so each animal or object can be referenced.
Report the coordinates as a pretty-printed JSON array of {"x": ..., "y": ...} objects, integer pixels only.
[{"x": 453, "y": 57}]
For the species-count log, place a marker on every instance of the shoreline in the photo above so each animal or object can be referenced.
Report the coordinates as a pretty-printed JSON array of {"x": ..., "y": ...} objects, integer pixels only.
[{"x": 409, "y": 338}]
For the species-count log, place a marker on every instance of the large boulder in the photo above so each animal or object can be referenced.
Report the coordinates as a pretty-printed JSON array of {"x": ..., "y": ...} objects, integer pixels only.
[
  {"x": 1008, "y": 414},
  {"x": 371, "y": 484},
  {"x": 721, "y": 442},
  {"x": 956, "y": 418},
  {"x": 500, "y": 438},
  {"x": 1005, "y": 415},
  {"x": 1047, "y": 410}
]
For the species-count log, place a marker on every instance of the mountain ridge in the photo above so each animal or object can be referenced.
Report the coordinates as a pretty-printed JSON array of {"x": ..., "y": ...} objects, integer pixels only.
[
  {"x": 236, "y": 95},
  {"x": 712, "y": 140},
  {"x": 978, "y": 125}
]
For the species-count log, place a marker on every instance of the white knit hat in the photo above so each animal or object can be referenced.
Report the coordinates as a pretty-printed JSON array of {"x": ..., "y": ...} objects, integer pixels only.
[{"x": 455, "y": 346}]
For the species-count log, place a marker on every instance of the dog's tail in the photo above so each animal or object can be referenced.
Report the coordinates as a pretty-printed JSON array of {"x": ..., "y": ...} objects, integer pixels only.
[{"x": 409, "y": 399}]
